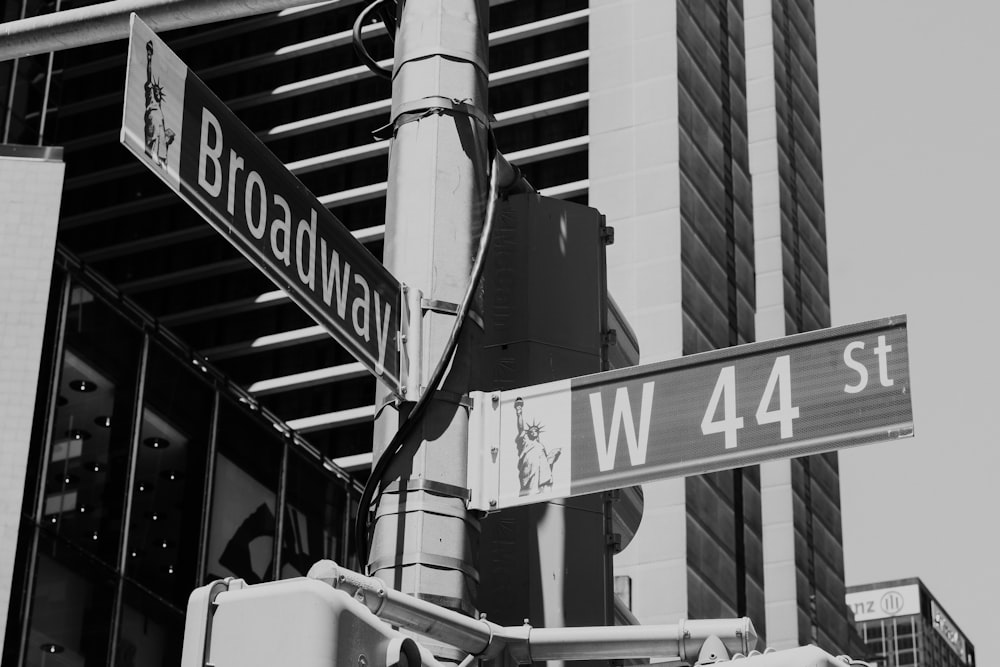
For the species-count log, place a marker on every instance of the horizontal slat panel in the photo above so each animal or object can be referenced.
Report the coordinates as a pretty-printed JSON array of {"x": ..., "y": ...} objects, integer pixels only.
[
  {"x": 266, "y": 343},
  {"x": 308, "y": 379},
  {"x": 332, "y": 420}
]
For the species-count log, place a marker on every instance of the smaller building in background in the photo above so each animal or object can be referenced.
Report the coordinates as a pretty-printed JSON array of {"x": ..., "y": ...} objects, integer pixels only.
[{"x": 903, "y": 625}]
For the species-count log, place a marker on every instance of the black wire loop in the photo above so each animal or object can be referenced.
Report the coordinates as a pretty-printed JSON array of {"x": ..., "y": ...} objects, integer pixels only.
[{"x": 359, "y": 44}]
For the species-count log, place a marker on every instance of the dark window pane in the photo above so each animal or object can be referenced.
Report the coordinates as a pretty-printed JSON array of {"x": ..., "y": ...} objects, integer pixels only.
[
  {"x": 314, "y": 517},
  {"x": 170, "y": 478},
  {"x": 247, "y": 467},
  {"x": 152, "y": 632},
  {"x": 88, "y": 455},
  {"x": 70, "y": 607},
  {"x": 353, "y": 562}
]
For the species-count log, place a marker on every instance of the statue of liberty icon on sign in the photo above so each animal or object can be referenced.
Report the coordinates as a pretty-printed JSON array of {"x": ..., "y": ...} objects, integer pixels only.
[
  {"x": 535, "y": 461},
  {"x": 158, "y": 135}
]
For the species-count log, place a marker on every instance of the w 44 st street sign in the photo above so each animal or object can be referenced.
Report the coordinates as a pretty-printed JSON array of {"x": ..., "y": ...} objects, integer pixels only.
[
  {"x": 803, "y": 394},
  {"x": 189, "y": 138}
]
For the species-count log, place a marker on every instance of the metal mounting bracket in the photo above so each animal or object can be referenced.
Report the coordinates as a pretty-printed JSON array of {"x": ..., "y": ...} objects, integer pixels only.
[
  {"x": 484, "y": 446},
  {"x": 449, "y": 308}
]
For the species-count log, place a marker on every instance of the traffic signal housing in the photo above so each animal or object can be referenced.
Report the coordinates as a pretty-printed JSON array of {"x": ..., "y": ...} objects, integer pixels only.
[{"x": 302, "y": 622}]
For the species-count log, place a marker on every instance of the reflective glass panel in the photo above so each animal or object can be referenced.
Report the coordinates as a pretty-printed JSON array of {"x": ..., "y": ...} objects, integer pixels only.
[
  {"x": 168, "y": 491},
  {"x": 71, "y": 605},
  {"x": 87, "y": 465},
  {"x": 314, "y": 517},
  {"x": 247, "y": 469},
  {"x": 353, "y": 562},
  {"x": 152, "y": 633}
]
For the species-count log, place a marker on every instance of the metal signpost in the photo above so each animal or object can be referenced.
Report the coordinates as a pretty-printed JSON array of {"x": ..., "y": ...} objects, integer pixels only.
[
  {"x": 798, "y": 395},
  {"x": 201, "y": 150}
]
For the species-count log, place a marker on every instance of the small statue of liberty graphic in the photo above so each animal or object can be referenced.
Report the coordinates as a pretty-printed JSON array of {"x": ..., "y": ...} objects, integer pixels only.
[
  {"x": 158, "y": 135},
  {"x": 534, "y": 459}
]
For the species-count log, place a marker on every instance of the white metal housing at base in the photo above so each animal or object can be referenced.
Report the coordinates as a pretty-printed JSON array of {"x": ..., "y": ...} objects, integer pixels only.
[{"x": 301, "y": 621}]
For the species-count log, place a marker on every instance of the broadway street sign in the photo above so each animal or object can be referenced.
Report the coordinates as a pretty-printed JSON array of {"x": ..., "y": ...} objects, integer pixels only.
[
  {"x": 803, "y": 394},
  {"x": 198, "y": 147}
]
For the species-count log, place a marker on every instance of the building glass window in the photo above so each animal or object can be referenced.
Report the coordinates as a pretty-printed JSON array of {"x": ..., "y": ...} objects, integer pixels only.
[
  {"x": 315, "y": 517},
  {"x": 152, "y": 633},
  {"x": 87, "y": 461},
  {"x": 168, "y": 491},
  {"x": 71, "y": 604},
  {"x": 352, "y": 560},
  {"x": 247, "y": 470},
  {"x": 113, "y": 537}
]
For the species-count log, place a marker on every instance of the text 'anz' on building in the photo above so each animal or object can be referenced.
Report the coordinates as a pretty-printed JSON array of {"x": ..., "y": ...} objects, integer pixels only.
[{"x": 903, "y": 625}]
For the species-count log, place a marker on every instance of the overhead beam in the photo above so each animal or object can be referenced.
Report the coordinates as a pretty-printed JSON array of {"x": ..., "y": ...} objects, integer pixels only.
[{"x": 108, "y": 21}]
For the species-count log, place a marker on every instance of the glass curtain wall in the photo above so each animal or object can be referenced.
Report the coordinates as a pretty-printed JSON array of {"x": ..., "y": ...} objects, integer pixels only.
[{"x": 150, "y": 479}]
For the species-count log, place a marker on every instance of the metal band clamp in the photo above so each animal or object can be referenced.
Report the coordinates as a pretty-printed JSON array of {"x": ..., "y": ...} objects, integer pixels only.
[
  {"x": 431, "y": 486},
  {"x": 422, "y": 558},
  {"x": 407, "y": 112}
]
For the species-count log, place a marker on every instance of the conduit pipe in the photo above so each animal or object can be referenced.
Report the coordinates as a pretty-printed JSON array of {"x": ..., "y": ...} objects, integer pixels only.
[{"x": 688, "y": 640}]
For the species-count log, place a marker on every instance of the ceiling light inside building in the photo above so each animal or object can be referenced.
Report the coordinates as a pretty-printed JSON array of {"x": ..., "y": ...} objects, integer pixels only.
[
  {"x": 85, "y": 386},
  {"x": 156, "y": 442}
]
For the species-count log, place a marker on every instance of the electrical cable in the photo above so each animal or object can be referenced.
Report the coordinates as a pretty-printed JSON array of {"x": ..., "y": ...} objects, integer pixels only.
[
  {"x": 416, "y": 414},
  {"x": 359, "y": 44},
  {"x": 387, "y": 11}
]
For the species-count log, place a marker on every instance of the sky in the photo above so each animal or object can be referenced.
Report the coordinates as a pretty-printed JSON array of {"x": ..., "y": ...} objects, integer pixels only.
[{"x": 909, "y": 101}]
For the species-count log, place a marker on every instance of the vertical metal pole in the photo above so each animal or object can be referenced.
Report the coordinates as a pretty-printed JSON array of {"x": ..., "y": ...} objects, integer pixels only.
[
  {"x": 208, "y": 489},
  {"x": 281, "y": 498},
  {"x": 423, "y": 539},
  {"x": 48, "y": 87},
  {"x": 13, "y": 85}
]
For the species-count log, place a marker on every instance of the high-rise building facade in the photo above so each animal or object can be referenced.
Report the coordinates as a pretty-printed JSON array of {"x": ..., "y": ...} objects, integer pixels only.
[
  {"x": 903, "y": 625},
  {"x": 803, "y": 554},
  {"x": 186, "y": 409},
  {"x": 705, "y": 153},
  {"x": 669, "y": 166}
]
